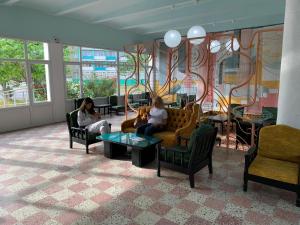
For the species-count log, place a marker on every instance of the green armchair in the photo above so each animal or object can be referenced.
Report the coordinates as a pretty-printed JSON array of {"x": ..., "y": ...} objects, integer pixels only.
[{"x": 191, "y": 158}]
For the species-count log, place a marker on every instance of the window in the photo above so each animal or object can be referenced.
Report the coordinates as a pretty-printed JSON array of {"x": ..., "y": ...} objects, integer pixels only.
[
  {"x": 128, "y": 75},
  {"x": 37, "y": 50},
  {"x": 90, "y": 72},
  {"x": 40, "y": 76},
  {"x": 72, "y": 73},
  {"x": 14, "y": 75}
]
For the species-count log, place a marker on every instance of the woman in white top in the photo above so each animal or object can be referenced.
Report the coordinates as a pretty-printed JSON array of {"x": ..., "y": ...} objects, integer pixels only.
[
  {"x": 157, "y": 118},
  {"x": 88, "y": 118}
]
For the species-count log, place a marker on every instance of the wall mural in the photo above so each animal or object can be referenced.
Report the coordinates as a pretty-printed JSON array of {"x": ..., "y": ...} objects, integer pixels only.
[{"x": 233, "y": 76}]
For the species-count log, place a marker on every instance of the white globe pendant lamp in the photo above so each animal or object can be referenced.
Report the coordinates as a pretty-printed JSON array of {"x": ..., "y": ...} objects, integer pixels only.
[
  {"x": 194, "y": 32},
  {"x": 235, "y": 45},
  {"x": 172, "y": 38},
  {"x": 215, "y": 46}
]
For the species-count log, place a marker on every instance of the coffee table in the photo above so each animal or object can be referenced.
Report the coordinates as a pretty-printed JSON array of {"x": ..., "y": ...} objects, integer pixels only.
[{"x": 143, "y": 147}]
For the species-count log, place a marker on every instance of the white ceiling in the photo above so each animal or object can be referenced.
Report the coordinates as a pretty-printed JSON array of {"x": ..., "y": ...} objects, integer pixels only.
[{"x": 154, "y": 17}]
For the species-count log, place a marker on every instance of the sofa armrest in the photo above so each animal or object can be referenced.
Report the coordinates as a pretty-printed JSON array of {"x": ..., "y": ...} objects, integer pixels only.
[
  {"x": 249, "y": 157},
  {"x": 180, "y": 138},
  {"x": 127, "y": 123},
  {"x": 186, "y": 131}
]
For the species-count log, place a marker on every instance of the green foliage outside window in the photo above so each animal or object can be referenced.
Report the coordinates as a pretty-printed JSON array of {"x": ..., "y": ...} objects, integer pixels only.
[
  {"x": 13, "y": 74},
  {"x": 99, "y": 87}
]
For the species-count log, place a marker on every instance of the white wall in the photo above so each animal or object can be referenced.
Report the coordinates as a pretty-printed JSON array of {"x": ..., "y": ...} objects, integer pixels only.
[{"x": 43, "y": 113}]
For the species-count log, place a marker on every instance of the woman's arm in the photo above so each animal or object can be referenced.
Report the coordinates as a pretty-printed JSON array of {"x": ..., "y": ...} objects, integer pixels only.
[{"x": 83, "y": 119}]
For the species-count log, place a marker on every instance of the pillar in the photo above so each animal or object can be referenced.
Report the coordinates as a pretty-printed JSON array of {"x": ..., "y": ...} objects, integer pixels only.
[{"x": 289, "y": 91}]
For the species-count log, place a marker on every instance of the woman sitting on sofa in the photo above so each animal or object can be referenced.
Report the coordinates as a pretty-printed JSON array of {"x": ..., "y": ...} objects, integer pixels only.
[
  {"x": 88, "y": 118},
  {"x": 157, "y": 118}
]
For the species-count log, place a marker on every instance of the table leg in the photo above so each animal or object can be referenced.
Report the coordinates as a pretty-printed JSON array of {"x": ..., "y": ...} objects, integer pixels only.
[
  {"x": 141, "y": 157},
  {"x": 112, "y": 150}
]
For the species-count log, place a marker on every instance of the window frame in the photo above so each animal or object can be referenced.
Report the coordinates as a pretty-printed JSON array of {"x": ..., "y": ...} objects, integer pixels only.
[
  {"x": 28, "y": 75},
  {"x": 81, "y": 62}
]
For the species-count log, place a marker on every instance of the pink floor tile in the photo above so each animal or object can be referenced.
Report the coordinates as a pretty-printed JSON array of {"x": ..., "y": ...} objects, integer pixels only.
[
  {"x": 287, "y": 215},
  {"x": 258, "y": 218},
  {"x": 241, "y": 201},
  {"x": 38, "y": 218},
  {"x": 214, "y": 203},
  {"x": 164, "y": 221},
  {"x": 159, "y": 208},
  {"x": 197, "y": 221},
  {"x": 78, "y": 187},
  {"x": 188, "y": 206}
]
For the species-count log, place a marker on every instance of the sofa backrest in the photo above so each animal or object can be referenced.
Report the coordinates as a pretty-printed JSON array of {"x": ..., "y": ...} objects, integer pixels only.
[
  {"x": 177, "y": 118},
  {"x": 280, "y": 142}
]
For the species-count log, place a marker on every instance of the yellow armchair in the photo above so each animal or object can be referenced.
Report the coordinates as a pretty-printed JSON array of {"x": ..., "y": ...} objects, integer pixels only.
[
  {"x": 181, "y": 122},
  {"x": 276, "y": 160}
]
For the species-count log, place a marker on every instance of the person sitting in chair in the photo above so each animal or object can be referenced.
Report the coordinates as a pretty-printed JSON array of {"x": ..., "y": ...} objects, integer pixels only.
[
  {"x": 157, "y": 118},
  {"x": 88, "y": 118}
]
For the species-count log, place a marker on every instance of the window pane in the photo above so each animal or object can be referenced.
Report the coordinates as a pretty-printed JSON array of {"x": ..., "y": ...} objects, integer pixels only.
[
  {"x": 100, "y": 55},
  {"x": 37, "y": 50},
  {"x": 99, "y": 80},
  {"x": 71, "y": 53},
  {"x": 72, "y": 81},
  {"x": 40, "y": 81},
  {"x": 13, "y": 85},
  {"x": 126, "y": 72},
  {"x": 126, "y": 58},
  {"x": 11, "y": 49}
]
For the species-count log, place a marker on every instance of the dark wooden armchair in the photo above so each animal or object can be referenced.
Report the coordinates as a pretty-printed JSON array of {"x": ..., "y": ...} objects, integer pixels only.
[
  {"x": 113, "y": 100},
  {"x": 193, "y": 157},
  {"x": 79, "y": 134},
  {"x": 78, "y": 102}
]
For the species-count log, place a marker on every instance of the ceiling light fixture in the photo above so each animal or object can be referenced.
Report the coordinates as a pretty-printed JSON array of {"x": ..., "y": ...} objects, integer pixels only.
[
  {"x": 232, "y": 45},
  {"x": 196, "y": 34},
  {"x": 215, "y": 46},
  {"x": 172, "y": 38}
]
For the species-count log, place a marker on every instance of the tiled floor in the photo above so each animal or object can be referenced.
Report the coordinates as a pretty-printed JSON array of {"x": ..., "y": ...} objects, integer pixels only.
[{"x": 42, "y": 181}]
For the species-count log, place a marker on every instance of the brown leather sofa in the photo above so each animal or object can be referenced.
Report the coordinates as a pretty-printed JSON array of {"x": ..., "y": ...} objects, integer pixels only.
[{"x": 181, "y": 122}]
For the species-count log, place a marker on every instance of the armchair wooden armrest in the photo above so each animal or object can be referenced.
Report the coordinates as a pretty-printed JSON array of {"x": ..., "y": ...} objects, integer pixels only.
[
  {"x": 249, "y": 157},
  {"x": 179, "y": 149},
  {"x": 176, "y": 153},
  {"x": 79, "y": 128}
]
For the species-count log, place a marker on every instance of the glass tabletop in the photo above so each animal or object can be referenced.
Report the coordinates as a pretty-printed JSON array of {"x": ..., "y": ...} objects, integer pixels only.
[
  {"x": 130, "y": 139},
  {"x": 220, "y": 117}
]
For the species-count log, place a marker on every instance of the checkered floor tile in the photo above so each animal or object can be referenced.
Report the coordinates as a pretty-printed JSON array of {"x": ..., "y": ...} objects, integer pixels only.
[{"x": 44, "y": 182}]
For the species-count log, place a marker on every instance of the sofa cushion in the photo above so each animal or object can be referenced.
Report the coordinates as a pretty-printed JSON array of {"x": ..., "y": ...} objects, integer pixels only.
[
  {"x": 177, "y": 118},
  {"x": 168, "y": 137},
  {"x": 280, "y": 142},
  {"x": 274, "y": 169}
]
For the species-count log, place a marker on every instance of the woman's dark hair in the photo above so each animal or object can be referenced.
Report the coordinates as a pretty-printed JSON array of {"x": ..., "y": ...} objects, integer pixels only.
[{"x": 86, "y": 101}]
